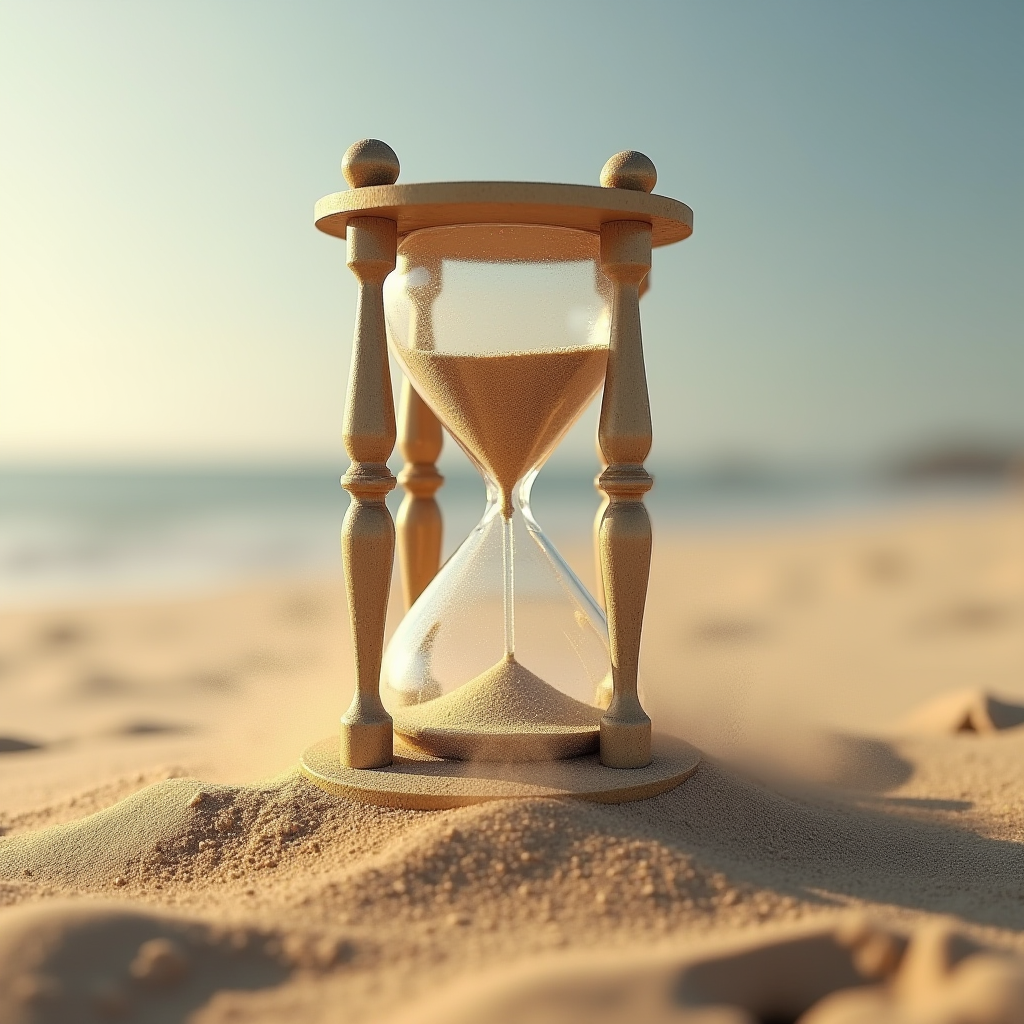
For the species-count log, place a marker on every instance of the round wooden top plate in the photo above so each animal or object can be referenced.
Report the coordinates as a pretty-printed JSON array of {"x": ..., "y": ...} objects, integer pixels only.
[
  {"x": 441, "y": 204},
  {"x": 423, "y": 783}
]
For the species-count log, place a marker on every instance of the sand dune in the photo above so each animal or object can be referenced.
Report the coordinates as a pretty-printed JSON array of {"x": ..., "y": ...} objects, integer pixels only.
[
  {"x": 851, "y": 972},
  {"x": 144, "y": 873},
  {"x": 965, "y": 711}
]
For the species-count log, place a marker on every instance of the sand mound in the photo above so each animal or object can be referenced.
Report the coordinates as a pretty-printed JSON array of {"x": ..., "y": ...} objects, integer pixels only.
[
  {"x": 701, "y": 850},
  {"x": 182, "y": 831},
  {"x": 511, "y": 865},
  {"x": 85, "y": 801},
  {"x": 849, "y": 973},
  {"x": 965, "y": 711},
  {"x": 428, "y": 896},
  {"x": 776, "y": 976},
  {"x": 68, "y": 962},
  {"x": 943, "y": 978}
]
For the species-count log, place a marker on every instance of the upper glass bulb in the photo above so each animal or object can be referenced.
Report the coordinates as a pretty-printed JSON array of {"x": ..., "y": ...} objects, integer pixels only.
[{"x": 504, "y": 331}]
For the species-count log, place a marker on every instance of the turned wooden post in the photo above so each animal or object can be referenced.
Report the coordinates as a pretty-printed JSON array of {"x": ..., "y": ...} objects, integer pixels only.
[
  {"x": 645, "y": 287},
  {"x": 601, "y": 508},
  {"x": 419, "y": 518},
  {"x": 625, "y": 439},
  {"x": 368, "y": 533}
]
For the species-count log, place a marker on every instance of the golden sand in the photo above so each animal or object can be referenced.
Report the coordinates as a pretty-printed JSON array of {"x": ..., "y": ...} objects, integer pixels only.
[
  {"x": 970, "y": 710},
  {"x": 850, "y": 971},
  {"x": 505, "y": 714},
  {"x": 202, "y": 899},
  {"x": 508, "y": 410}
]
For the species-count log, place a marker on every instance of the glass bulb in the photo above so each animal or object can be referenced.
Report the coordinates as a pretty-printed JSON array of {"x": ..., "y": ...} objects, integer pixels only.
[{"x": 503, "y": 329}]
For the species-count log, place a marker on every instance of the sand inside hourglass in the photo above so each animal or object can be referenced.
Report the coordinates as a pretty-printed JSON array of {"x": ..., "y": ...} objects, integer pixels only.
[{"x": 508, "y": 410}]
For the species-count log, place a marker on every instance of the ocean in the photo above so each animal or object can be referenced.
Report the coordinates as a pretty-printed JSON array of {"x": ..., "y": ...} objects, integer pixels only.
[{"x": 82, "y": 533}]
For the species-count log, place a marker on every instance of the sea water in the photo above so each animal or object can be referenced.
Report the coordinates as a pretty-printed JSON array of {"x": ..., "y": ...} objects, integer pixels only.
[{"x": 69, "y": 534}]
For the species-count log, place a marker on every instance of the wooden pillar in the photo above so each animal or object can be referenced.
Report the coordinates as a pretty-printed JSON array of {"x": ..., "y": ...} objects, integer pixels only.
[
  {"x": 419, "y": 518},
  {"x": 625, "y": 437},
  {"x": 645, "y": 287},
  {"x": 368, "y": 533},
  {"x": 601, "y": 508}
]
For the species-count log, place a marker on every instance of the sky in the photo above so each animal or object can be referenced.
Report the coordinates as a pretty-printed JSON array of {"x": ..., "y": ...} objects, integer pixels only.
[{"x": 854, "y": 286}]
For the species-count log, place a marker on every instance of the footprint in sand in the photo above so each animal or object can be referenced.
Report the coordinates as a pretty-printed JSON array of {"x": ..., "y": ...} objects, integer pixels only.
[
  {"x": 886, "y": 566},
  {"x": 147, "y": 727},
  {"x": 15, "y": 745},
  {"x": 730, "y": 631},
  {"x": 62, "y": 635},
  {"x": 943, "y": 976},
  {"x": 102, "y": 683},
  {"x": 852, "y": 973},
  {"x": 964, "y": 711},
  {"x": 966, "y": 617},
  {"x": 73, "y": 961}
]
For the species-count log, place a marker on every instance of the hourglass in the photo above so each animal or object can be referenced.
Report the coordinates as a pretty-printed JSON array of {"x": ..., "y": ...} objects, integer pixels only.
[{"x": 508, "y": 307}]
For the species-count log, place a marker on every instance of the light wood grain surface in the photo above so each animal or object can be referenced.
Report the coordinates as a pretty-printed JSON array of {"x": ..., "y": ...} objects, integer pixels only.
[
  {"x": 419, "y": 782},
  {"x": 436, "y": 204},
  {"x": 368, "y": 533},
  {"x": 624, "y": 534}
]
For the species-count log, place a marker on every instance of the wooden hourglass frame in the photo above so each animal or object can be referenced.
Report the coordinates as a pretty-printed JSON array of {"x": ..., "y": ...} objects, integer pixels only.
[{"x": 373, "y": 215}]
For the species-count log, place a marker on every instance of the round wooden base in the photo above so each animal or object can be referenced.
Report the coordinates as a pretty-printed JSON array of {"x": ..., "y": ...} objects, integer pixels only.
[{"x": 423, "y": 783}]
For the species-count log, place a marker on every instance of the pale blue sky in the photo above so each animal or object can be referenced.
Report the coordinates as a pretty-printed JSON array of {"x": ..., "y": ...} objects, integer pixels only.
[{"x": 854, "y": 285}]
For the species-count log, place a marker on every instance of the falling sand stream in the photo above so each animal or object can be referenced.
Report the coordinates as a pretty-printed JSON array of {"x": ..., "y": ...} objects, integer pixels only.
[{"x": 508, "y": 411}]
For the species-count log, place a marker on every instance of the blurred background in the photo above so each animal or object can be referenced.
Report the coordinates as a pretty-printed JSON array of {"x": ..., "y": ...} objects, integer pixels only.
[
  {"x": 835, "y": 357},
  {"x": 841, "y": 333}
]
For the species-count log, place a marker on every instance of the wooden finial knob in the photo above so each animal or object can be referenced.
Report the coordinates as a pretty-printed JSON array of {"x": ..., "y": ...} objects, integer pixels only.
[
  {"x": 630, "y": 169},
  {"x": 370, "y": 162}
]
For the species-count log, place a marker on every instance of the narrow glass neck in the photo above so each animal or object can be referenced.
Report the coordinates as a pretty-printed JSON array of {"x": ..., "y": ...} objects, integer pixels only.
[{"x": 519, "y": 499}]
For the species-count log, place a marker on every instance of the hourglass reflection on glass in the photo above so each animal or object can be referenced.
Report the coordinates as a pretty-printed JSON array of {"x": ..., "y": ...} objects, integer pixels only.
[{"x": 503, "y": 329}]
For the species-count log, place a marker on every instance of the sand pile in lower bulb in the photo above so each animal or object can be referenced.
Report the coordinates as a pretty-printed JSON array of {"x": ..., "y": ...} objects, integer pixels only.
[{"x": 505, "y": 714}]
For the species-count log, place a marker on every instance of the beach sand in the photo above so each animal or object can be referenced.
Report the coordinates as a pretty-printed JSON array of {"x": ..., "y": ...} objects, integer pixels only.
[{"x": 162, "y": 860}]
